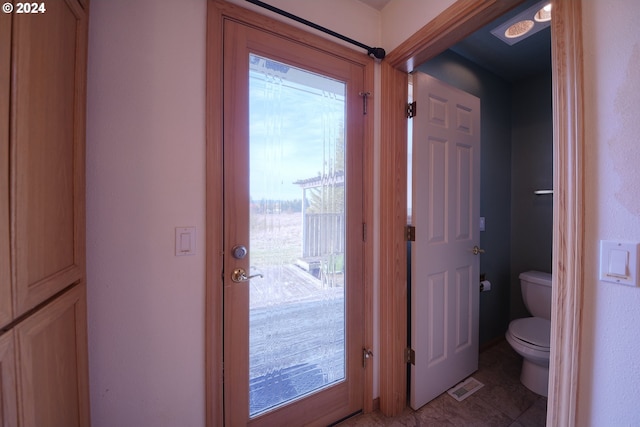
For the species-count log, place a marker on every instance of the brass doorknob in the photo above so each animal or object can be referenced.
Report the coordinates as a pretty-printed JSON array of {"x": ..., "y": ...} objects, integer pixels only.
[
  {"x": 476, "y": 250},
  {"x": 240, "y": 275}
]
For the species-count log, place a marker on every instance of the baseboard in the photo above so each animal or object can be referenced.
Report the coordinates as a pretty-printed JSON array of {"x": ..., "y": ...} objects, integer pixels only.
[{"x": 376, "y": 404}]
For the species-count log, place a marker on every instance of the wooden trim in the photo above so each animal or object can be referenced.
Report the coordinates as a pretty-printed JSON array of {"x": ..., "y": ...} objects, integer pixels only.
[
  {"x": 214, "y": 219},
  {"x": 82, "y": 351},
  {"x": 217, "y": 10},
  {"x": 8, "y": 395},
  {"x": 454, "y": 24},
  {"x": 375, "y": 403},
  {"x": 80, "y": 136},
  {"x": 446, "y": 29},
  {"x": 368, "y": 198},
  {"x": 6, "y": 310},
  {"x": 568, "y": 211},
  {"x": 393, "y": 250}
]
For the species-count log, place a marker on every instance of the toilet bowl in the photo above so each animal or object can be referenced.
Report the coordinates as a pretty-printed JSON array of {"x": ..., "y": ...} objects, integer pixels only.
[{"x": 530, "y": 336}]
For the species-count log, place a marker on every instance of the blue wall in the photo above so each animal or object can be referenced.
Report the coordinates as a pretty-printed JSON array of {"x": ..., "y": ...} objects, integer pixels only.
[
  {"x": 531, "y": 169},
  {"x": 515, "y": 158}
]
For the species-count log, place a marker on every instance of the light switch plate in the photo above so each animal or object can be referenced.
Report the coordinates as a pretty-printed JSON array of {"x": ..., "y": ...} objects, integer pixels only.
[
  {"x": 619, "y": 262},
  {"x": 185, "y": 241}
]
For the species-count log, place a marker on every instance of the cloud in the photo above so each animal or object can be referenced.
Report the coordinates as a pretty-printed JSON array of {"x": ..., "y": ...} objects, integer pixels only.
[{"x": 293, "y": 130}]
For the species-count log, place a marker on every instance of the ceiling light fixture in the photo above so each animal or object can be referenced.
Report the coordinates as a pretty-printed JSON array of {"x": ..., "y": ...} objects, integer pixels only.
[
  {"x": 544, "y": 14},
  {"x": 524, "y": 24},
  {"x": 519, "y": 29}
]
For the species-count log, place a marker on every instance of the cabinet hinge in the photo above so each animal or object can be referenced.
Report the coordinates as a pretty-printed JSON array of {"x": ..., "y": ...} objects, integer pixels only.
[
  {"x": 411, "y": 110},
  {"x": 409, "y": 356},
  {"x": 410, "y": 233},
  {"x": 364, "y": 232}
]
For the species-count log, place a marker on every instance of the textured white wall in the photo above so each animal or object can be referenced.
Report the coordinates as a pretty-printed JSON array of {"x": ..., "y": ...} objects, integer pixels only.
[
  {"x": 145, "y": 176},
  {"x": 351, "y": 18},
  {"x": 386, "y": 29},
  {"x": 402, "y": 18},
  {"x": 610, "y": 372}
]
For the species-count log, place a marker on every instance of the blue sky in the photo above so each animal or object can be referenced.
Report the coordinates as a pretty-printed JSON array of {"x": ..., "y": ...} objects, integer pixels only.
[{"x": 292, "y": 112}]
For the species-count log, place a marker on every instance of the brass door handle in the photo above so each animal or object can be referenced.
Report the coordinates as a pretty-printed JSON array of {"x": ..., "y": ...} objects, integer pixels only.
[
  {"x": 477, "y": 251},
  {"x": 239, "y": 275}
]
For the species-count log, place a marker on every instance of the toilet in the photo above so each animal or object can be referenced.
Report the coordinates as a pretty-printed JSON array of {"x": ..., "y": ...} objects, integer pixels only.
[{"x": 530, "y": 336}]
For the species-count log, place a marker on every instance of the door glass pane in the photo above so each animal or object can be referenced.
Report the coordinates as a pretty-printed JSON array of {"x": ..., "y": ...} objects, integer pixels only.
[{"x": 297, "y": 239}]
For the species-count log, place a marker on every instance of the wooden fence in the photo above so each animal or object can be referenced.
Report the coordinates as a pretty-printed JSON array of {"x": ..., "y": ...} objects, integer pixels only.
[{"x": 323, "y": 234}]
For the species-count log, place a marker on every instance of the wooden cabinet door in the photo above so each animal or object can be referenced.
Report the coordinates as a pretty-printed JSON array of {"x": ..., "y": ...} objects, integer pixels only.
[
  {"x": 47, "y": 150},
  {"x": 8, "y": 408},
  {"x": 5, "y": 84},
  {"x": 52, "y": 349}
]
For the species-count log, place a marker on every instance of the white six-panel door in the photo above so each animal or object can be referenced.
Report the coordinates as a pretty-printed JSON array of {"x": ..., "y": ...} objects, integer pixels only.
[{"x": 445, "y": 212}]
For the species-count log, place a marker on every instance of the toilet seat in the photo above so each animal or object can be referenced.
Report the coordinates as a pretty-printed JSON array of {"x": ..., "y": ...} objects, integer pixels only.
[{"x": 532, "y": 332}]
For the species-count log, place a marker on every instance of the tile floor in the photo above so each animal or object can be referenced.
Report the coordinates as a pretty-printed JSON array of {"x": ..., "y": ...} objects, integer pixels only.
[{"x": 503, "y": 401}]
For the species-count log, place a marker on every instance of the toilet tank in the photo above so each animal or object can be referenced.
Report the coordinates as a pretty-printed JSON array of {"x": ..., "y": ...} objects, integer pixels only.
[{"x": 536, "y": 293}]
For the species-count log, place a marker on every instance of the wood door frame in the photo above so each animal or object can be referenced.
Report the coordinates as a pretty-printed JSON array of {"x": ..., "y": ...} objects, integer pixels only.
[
  {"x": 452, "y": 25},
  {"x": 217, "y": 12}
]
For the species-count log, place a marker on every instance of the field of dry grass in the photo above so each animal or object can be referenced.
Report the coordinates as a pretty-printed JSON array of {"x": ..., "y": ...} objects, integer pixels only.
[
  {"x": 276, "y": 245},
  {"x": 276, "y": 238}
]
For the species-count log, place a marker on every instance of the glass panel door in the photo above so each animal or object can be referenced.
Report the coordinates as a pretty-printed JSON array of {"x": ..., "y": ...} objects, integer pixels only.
[
  {"x": 293, "y": 231},
  {"x": 297, "y": 233}
]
